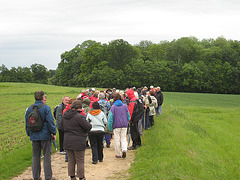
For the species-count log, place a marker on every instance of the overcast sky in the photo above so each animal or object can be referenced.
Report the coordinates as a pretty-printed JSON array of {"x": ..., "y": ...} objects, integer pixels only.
[{"x": 40, "y": 31}]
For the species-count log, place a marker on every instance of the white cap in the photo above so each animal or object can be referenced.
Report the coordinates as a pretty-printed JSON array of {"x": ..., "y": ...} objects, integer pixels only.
[
  {"x": 93, "y": 89},
  {"x": 151, "y": 87}
]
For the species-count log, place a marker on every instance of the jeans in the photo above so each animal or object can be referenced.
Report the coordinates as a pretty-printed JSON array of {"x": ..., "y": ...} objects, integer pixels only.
[
  {"x": 159, "y": 110},
  {"x": 46, "y": 146}
]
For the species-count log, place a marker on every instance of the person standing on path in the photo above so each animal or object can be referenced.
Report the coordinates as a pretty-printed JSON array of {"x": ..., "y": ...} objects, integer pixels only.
[
  {"x": 75, "y": 129},
  {"x": 41, "y": 140},
  {"x": 159, "y": 97},
  {"x": 118, "y": 122},
  {"x": 98, "y": 121},
  {"x": 59, "y": 114}
]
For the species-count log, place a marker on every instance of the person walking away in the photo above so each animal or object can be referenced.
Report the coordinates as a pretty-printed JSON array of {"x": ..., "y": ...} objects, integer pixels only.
[
  {"x": 105, "y": 107},
  {"x": 146, "y": 114},
  {"x": 159, "y": 97},
  {"x": 98, "y": 121},
  {"x": 152, "y": 105},
  {"x": 136, "y": 111},
  {"x": 119, "y": 117},
  {"x": 75, "y": 129},
  {"x": 41, "y": 139},
  {"x": 59, "y": 113}
]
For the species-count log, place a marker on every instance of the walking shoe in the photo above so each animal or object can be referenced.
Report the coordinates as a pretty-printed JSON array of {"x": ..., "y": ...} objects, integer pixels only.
[
  {"x": 116, "y": 156},
  {"x": 62, "y": 152},
  {"x": 108, "y": 145},
  {"x": 94, "y": 162},
  {"x": 132, "y": 148},
  {"x": 100, "y": 160},
  {"x": 124, "y": 154}
]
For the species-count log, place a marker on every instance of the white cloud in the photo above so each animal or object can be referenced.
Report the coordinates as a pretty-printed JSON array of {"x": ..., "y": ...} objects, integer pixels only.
[{"x": 40, "y": 31}]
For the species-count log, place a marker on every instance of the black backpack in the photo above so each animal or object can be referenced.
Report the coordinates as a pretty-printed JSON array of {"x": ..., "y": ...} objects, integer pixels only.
[
  {"x": 55, "y": 111},
  {"x": 34, "y": 121},
  {"x": 138, "y": 110}
]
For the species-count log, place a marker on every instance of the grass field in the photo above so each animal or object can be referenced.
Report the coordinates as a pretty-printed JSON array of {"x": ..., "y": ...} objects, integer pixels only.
[{"x": 197, "y": 137}]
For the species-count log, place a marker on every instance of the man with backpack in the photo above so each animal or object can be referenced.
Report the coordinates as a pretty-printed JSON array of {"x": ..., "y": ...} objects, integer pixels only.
[
  {"x": 136, "y": 111},
  {"x": 59, "y": 113},
  {"x": 41, "y": 129}
]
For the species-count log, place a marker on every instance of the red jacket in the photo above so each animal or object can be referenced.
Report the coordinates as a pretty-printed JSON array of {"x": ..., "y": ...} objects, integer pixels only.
[
  {"x": 68, "y": 107},
  {"x": 132, "y": 97}
]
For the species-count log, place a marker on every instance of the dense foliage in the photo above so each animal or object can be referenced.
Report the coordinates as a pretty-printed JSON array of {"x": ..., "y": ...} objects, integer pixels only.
[
  {"x": 37, "y": 73},
  {"x": 186, "y": 64}
]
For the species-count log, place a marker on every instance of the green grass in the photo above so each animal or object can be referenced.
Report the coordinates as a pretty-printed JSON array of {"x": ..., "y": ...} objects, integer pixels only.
[
  {"x": 197, "y": 137},
  {"x": 15, "y": 146}
]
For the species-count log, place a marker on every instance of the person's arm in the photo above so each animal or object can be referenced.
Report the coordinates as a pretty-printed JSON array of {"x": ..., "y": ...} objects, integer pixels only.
[
  {"x": 110, "y": 121},
  {"x": 50, "y": 120}
]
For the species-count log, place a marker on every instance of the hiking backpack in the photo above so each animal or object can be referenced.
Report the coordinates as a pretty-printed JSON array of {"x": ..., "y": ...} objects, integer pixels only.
[
  {"x": 34, "y": 121},
  {"x": 55, "y": 111},
  {"x": 138, "y": 109}
]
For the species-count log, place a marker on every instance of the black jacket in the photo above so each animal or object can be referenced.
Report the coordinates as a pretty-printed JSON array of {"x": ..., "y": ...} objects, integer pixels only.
[{"x": 159, "y": 97}]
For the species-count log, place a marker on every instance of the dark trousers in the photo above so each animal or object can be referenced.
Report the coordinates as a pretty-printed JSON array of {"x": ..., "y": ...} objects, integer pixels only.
[
  {"x": 76, "y": 158},
  {"x": 151, "y": 121},
  {"x": 61, "y": 136},
  {"x": 135, "y": 135},
  {"x": 37, "y": 146},
  {"x": 96, "y": 141}
]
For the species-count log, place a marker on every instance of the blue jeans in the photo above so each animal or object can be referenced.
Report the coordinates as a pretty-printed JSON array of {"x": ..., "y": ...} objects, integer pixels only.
[
  {"x": 159, "y": 110},
  {"x": 146, "y": 120}
]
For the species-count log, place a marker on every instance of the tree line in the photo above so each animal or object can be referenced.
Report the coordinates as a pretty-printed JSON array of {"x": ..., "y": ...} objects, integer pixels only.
[{"x": 184, "y": 65}]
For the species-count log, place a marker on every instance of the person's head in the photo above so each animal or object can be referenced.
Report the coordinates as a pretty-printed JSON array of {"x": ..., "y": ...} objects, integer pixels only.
[
  {"x": 76, "y": 104},
  {"x": 86, "y": 101},
  {"x": 152, "y": 93},
  {"x": 84, "y": 91},
  {"x": 96, "y": 94},
  {"x": 158, "y": 89},
  {"x": 101, "y": 95},
  {"x": 38, "y": 95},
  {"x": 116, "y": 96},
  {"x": 65, "y": 100},
  {"x": 130, "y": 94},
  {"x": 114, "y": 89},
  {"x": 71, "y": 100},
  {"x": 44, "y": 100},
  {"x": 95, "y": 105}
]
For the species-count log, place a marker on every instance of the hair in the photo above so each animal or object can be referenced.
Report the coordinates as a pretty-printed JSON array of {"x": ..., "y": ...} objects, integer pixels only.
[
  {"x": 76, "y": 104},
  {"x": 96, "y": 94},
  {"x": 44, "y": 96},
  {"x": 152, "y": 93},
  {"x": 95, "y": 105},
  {"x": 71, "y": 100},
  {"x": 116, "y": 96},
  {"x": 101, "y": 95},
  {"x": 86, "y": 101},
  {"x": 38, "y": 95}
]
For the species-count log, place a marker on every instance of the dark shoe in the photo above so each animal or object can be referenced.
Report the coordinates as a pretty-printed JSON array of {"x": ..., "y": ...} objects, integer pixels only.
[
  {"x": 108, "y": 145},
  {"x": 132, "y": 148},
  {"x": 116, "y": 156},
  {"x": 38, "y": 178},
  {"x": 94, "y": 162},
  {"x": 124, "y": 154}
]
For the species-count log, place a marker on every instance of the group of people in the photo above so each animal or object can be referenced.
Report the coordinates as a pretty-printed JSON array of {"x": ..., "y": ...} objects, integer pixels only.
[{"x": 94, "y": 116}]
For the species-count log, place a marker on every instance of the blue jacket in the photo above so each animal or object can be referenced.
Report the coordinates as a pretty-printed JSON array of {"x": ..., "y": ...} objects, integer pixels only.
[
  {"x": 119, "y": 116},
  {"x": 48, "y": 127}
]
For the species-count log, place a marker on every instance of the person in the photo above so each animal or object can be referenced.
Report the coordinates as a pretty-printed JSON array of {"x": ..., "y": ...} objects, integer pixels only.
[
  {"x": 85, "y": 104},
  {"x": 105, "y": 107},
  {"x": 146, "y": 114},
  {"x": 83, "y": 95},
  {"x": 75, "y": 129},
  {"x": 159, "y": 97},
  {"x": 98, "y": 121},
  {"x": 152, "y": 104},
  {"x": 94, "y": 98},
  {"x": 44, "y": 99},
  {"x": 134, "y": 120},
  {"x": 118, "y": 122},
  {"x": 41, "y": 140},
  {"x": 59, "y": 113}
]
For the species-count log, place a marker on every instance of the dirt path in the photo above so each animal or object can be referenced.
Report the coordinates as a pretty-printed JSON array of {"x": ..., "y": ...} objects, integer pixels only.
[{"x": 110, "y": 168}]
